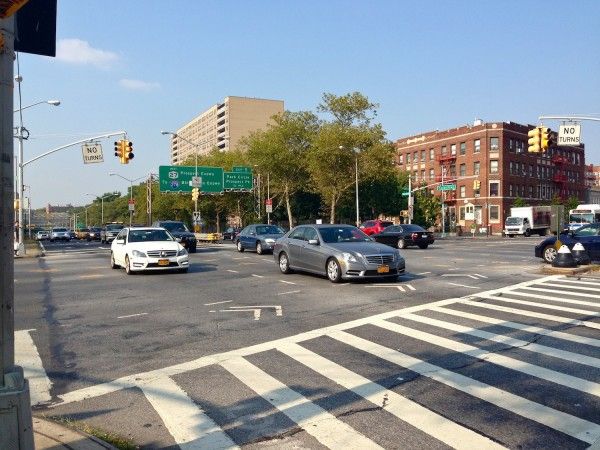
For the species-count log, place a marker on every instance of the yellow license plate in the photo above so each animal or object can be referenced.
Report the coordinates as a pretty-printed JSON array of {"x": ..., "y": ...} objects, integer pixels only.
[
  {"x": 163, "y": 262},
  {"x": 383, "y": 269}
]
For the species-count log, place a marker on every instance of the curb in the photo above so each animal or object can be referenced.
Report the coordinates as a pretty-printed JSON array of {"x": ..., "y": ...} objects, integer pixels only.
[
  {"x": 570, "y": 270},
  {"x": 50, "y": 435}
]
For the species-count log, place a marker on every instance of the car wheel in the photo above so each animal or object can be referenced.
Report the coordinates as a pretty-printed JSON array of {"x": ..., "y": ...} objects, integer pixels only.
[
  {"x": 549, "y": 253},
  {"x": 128, "y": 266},
  {"x": 527, "y": 233},
  {"x": 259, "y": 248},
  {"x": 113, "y": 264},
  {"x": 401, "y": 243},
  {"x": 284, "y": 263},
  {"x": 334, "y": 271},
  {"x": 239, "y": 246},
  {"x": 423, "y": 246}
]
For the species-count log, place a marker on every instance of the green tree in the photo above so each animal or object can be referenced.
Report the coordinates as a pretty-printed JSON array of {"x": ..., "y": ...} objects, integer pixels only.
[
  {"x": 519, "y": 202},
  {"x": 426, "y": 209},
  {"x": 280, "y": 152}
]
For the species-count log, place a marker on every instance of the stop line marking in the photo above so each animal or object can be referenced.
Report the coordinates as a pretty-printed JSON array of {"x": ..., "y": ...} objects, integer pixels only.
[{"x": 399, "y": 287}]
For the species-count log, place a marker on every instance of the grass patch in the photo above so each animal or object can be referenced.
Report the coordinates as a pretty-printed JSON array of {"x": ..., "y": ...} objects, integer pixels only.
[{"x": 113, "y": 439}]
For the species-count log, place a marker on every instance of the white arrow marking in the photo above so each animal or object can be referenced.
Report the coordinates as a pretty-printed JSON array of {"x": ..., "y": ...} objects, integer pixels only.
[{"x": 256, "y": 311}]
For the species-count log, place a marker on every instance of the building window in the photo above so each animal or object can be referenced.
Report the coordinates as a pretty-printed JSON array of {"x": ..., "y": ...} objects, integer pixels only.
[
  {"x": 463, "y": 191},
  {"x": 461, "y": 213},
  {"x": 422, "y": 155},
  {"x": 431, "y": 154},
  {"x": 463, "y": 148},
  {"x": 415, "y": 157},
  {"x": 444, "y": 151},
  {"x": 476, "y": 167},
  {"x": 510, "y": 190},
  {"x": 476, "y": 145},
  {"x": 423, "y": 174},
  {"x": 494, "y": 144},
  {"x": 494, "y": 188},
  {"x": 401, "y": 159},
  {"x": 408, "y": 158},
  {"x": 494, "y": 213},
  {"x": 530, "y": 191},
  {"x": 511, "y": 145},
  {"x": 519, "y": 146},
  {"x": 463, "y": 170},
  {"x": 431, "y": 174},
  {"x": 531, "y": 170},
  {"x": 493, "y": 166},
  {"x": 453, "y": 170},
  {"x": 453, "y": 149}
]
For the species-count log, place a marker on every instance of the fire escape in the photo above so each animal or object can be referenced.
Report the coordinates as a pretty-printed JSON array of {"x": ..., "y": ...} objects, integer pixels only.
[
  {"x": 560, "y": 177},
  {"x": 446, "y": 162}
]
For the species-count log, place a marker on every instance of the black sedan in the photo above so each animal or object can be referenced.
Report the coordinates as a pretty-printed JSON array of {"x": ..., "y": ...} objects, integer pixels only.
[
  {"x": 587, "y": 235},
  {"x": 402, "y": 236}
]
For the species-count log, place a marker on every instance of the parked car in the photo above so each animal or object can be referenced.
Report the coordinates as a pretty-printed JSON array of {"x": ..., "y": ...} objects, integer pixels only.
[
  {"x": 94, "y": 234},
  {"x": 72, "y": 234},
  {"x": 149, "y": 248},
  {"x": 178, "y": 229},
  {"x": 42, "y": 235},
  {"x": 60, "y": 234},
  {"x": 110, "y": 231},
  {"x": 258, "y": 237},
  {"x": 337, "y": 251},
  {"x": 403, "y": 236},
  {"x": 587, "y": 235},
  {"x": 230, "y": 233},
  {"x": 83, "y": 233},
  {"x": 371, "y": 227}
]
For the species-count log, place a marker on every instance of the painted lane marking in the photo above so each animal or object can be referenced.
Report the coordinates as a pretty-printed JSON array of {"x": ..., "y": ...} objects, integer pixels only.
[
  {"x": 277, "y": 308},
  {"x": 423, "y": 273},
  {"x": 218, "y": 303},
  {"x": 537, "y": 315},
  {"x": 190, "y": 427},
  {"x": 91, "y": 276},
  {"x": 232, "y": 271},
  {"x": 323, "y": 426},
  {"x": 519, "y": 326},
  {"x": 554, "y": 291},
  {"x": 573, "y": 426},
  {"x": 258, "y": 276},
  {"x": 553, "y": 299},
  {"x": 464, "y": 285},
  {"x": 586, "y": 386},
  {"x": 581, "y": 288},
  {"x": 587, "y": 283},
  {"x": 439, "y": 427},
  {"x": 289, "y": 292},
  {"x": 287, "y": 282},
  {"x": 256, "y": 312},
  {"x": 28, "y": 357},
  {"x": 506, "y": 299},
  {"x": 132, "y": 315},
  {"x": 410, "y": 287},
  {"x": 480, "y": 276}
]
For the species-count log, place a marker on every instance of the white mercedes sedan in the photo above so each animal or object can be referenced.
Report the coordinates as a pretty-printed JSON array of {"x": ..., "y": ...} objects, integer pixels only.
[{"x": 138, "y": 249}]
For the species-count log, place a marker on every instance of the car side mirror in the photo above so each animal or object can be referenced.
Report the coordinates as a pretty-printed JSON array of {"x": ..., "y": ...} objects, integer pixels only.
[
  {"x": 120, "y": 241},
  {"x": 252, "y": 233},
  {"x": 313, "y": 242}
]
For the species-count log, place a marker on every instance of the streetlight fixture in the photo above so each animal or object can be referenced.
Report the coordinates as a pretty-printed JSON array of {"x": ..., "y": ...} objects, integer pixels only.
[
  {"x": 22, "y": 134},
  {"x": 356, "y": 152},
  {"x": 131, "y": 192}
]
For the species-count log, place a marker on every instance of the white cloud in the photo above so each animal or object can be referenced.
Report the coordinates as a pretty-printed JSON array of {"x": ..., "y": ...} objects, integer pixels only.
[
  {"x": 76, "y": 51},
  {"x": 138, "y": 85}
]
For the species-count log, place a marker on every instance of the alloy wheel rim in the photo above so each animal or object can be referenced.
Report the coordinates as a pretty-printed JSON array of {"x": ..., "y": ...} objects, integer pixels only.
[
  {"x": 332, "y": 270},
  {"x": 283, "y": 263}
]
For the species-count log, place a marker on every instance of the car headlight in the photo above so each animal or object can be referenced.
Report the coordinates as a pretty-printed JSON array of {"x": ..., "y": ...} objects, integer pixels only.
[
  {"x": 269, "y": 241},
  {"x": 138, "y": 254},
  {"x": 182, "y": 252},
  {"x": 349, "y": 257},
  {"x": 178, "y": 239}
]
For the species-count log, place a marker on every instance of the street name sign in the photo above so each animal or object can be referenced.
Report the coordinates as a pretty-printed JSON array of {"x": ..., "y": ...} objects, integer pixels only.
[
  {"x": 446, "y": 187},
  {"x": 405, "y": 193},
  {"x": 92, "y": 153},
  {"x": 569, "y": 134}
]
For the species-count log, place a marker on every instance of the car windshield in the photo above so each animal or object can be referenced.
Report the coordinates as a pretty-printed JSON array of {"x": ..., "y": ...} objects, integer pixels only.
[
  {"x": 149, "y": 236},
  {"x": 269, "y": 229},
  {"x": 59, "y": 230},
  {"x": 174, "y": 226},
  {"x": 513, "y": 221},
  {"x": 113, "y": 227},
  {"x": 332, "y": 235},
  {"x": 412, "y": 228},
  {"x": 581, "y": 218}
]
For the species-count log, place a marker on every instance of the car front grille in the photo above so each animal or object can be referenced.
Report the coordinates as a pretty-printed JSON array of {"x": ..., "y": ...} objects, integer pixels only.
[
  {"x": 379, "y": 259},
  {"x": 161, "y": 253}
]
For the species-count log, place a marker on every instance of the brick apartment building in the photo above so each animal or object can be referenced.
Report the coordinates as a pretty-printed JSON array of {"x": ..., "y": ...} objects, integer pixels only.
[
  {"x": 223, "y": 125},
  {"x": 493, "y": 157}
]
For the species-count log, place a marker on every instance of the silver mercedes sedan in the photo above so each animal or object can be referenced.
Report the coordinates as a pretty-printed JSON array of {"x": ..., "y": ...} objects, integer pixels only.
[{"x": 337, "y": 251}]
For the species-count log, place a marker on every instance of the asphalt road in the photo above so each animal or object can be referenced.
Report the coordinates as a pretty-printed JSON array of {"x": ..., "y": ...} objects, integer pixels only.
[{"x": 234, "y": 353}]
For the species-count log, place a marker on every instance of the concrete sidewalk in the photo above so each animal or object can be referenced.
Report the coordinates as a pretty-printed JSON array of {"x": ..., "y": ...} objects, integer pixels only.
[{"x": 49, "y": 435}]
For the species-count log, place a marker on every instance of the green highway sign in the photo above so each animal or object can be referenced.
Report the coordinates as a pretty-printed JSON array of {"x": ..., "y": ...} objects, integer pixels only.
[
  {"x": 405, "y": 193},
  {"x": 214, "y": 179},
  {"x": 237, "y": 181},
  {"x": 241, "y": 169},
  {"x": 446, "y": 187},
  {"x": 179, "y": 178}
]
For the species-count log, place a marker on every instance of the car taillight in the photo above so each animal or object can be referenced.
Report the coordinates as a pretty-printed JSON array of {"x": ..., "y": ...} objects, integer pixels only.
[{"x": 414, "y": 236}]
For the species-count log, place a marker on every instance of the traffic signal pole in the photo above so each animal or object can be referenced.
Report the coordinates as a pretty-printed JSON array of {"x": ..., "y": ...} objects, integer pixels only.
[{"x": 16, "y": 430}]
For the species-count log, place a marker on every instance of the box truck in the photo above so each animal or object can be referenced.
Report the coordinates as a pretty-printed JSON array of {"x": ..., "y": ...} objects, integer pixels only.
[{"x": 528, "y": 220}]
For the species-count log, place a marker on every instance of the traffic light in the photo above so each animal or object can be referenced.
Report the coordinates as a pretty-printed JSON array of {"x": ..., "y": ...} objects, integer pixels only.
[
  {"x": 535, "y": 140},
  {"x": 127, "y": 151},
  {"x": 476, "y": 185},
  {"x": 195, "y": 193},
  {"x": 119, "y": 150},
  {"x": 547, "y": 139}
]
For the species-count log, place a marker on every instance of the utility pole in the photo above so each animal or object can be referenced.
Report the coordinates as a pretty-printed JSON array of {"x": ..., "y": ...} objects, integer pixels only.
[{"x": 16, "y": 431}]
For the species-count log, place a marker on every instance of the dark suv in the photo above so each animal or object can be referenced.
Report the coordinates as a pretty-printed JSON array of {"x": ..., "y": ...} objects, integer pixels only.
[
  {"x": 180, "y": 232},
  {"x": 110, "y": 231}
]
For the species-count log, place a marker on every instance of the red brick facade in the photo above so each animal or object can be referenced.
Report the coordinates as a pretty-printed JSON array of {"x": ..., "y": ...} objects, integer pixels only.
[{"x": 494, "y": 154}]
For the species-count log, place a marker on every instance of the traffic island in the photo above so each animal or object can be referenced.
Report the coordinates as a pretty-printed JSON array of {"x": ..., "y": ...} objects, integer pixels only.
[{"x": 550, "y": 270}]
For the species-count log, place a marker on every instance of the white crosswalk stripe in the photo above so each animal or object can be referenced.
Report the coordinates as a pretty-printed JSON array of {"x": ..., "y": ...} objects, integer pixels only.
[{"x": 566, "y": 339}]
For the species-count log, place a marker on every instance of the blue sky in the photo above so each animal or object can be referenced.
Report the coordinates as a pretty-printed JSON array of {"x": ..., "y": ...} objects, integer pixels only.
[{"x": 145, "y": 66}]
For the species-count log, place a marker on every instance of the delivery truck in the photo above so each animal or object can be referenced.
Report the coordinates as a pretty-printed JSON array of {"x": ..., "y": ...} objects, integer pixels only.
[{"x": 528, "y": 220}]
